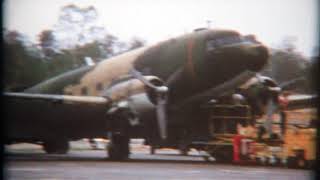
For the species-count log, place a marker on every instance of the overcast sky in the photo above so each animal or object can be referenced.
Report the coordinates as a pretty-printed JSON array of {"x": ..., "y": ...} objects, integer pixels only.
[{"x": 270, "y": 20}]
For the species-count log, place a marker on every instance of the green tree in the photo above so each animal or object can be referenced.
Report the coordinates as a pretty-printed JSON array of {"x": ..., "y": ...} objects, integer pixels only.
[
  {"x": 76, "y": 26},
  {"x": 88, "y": 50},
  {"x": 61, "y": 49},
  {"x": 287, "y": 65},
  {"x": 136, "y": 43},
  {"x": 46, "y": 42},
  {"x": 21, "y": 67}
]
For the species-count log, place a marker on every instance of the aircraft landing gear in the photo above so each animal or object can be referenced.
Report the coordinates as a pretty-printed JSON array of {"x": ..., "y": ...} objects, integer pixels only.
[
  {"x": 119, "y": 118},
  {"x": 152, "y": 150},
  {"x": 56, "y": 146},
  {"x": 184, "y": 149},
  {"x": 118, "y": 148},
  {"x": 223, "y": 153}
]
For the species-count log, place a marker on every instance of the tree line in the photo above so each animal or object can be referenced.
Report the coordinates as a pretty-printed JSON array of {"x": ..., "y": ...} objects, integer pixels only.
[
  {"x": 291, "y": 69},
  {"x": 73, "y": 38}
]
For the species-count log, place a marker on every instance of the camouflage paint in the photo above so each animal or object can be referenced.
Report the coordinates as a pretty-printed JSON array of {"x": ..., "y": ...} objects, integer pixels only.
[
  {"x": 184, "y": 60},
  {"x": 105, "y": 72},
  {"x": 57, "y": 84}
]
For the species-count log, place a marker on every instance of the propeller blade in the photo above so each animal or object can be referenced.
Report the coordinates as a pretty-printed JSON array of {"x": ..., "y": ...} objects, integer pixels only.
[
  {"x": 174, "y": 77},
  {"x": 292, "y": 82},
  {"x": 161, "y": 92},
  {"x": 161, "y": 117},
  {"x": 270, "y": 111},
  {"x": 139, "y": 76}
]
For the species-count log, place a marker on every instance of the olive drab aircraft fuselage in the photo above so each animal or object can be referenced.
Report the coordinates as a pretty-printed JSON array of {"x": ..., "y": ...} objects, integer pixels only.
[{"x": 127, "y": 93}]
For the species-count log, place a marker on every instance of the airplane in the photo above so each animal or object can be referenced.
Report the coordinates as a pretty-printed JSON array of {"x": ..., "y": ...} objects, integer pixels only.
[{"x": 155, "y": 92}]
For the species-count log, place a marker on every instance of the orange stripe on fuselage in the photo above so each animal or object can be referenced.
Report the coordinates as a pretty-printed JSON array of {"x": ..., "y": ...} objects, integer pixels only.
[{"x": 190, "y": 65}]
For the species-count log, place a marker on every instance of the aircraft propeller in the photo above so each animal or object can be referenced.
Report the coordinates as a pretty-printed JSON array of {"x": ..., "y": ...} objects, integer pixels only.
[
  {"x": 288, "y": 84},
  {"x": 160, "y": 102},
  {"x": 272, "y": 93}
]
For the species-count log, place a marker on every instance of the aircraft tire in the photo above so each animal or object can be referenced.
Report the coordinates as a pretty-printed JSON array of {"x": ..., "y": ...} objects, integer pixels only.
[
  {"x": 223, "y": 154},
  {"x": 152, "y": 150},
  {"x": 56, "y": 147},
  {"x": 118, "y": 149},
  {"x": 184, "y": 149}
]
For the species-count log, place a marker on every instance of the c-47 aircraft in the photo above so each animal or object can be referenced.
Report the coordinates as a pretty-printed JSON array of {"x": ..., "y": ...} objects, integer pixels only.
[{"x": 153, "y": 92}]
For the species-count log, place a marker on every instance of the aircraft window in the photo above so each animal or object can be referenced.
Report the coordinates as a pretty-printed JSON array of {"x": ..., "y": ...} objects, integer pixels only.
[
  {"x": 69, "y": 93},
  {"x": 99, "y": 86},
  {"x": 249, "y": 38},
  {"x": 220, "y": 42},
  {"x": 84, "y": 90}
]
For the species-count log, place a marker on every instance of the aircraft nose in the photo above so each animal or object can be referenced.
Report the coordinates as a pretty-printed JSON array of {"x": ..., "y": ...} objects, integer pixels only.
[{"x": 257, "y": 57}]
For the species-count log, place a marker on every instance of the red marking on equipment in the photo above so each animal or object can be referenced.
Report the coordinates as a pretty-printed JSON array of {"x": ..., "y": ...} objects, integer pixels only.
[
  {"x": 283, "y": 101},
  {"x": 190, "y": 65},
  {"x": 236, "y": 147}
]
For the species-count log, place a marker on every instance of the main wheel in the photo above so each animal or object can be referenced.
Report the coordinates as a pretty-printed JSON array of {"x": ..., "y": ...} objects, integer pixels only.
[
  {"x": 118, "y": 148},
  {"x": 152, "y": 149},
  {"x": 223, "y": 153},
  {"x": 56, "y": 146},
  {"x": 184, "y": 149}
]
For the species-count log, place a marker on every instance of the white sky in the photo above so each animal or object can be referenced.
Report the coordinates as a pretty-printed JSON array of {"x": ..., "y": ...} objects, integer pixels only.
[{"x": 270, "y": 20}]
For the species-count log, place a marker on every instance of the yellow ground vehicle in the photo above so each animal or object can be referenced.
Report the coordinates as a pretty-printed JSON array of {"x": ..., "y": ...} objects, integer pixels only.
[{"x": 295, "y": 147}]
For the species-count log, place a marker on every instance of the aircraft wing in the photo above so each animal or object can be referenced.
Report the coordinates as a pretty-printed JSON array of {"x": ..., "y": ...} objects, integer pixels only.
[
  {"x": 44, "y": 116},
  {"x": 226, "y": 88},
  {"x": 301, "y": 101},
  {"x": 66, "y": 99}
]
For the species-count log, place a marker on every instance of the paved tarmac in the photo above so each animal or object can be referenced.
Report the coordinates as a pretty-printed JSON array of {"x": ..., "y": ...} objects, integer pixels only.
[{"x": 24, "y": 161}]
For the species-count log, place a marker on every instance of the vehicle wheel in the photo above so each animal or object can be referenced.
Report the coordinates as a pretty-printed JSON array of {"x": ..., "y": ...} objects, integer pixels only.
[
  {"x": 184, "y": 150},
  {"x": 118, "y": 148},
  {"x": 295, "y": 162},
  {"x": 301, "y": 163},
  {"x": 152, "y": 150},
  {"x": 223, "y": 154},
  {"x": 56, "y": 147}
]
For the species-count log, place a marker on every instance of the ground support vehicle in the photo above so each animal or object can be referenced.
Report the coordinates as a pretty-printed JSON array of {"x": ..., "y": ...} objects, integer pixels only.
[{"x": 237, "y": 141}]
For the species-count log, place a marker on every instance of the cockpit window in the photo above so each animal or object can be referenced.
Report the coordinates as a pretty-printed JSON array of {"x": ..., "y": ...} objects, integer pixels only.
[
  {"x": 84, "y": 90},
  {"x": 227, "y": 40}
]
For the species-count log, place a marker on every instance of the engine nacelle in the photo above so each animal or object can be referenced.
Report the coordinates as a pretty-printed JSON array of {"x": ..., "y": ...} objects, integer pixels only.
[
  {"x": 258, "y": 91},
  {"x": 139, "y": 99},
  {"x": 129, "y": 87},
  {"x": 136, "y": 108}
]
